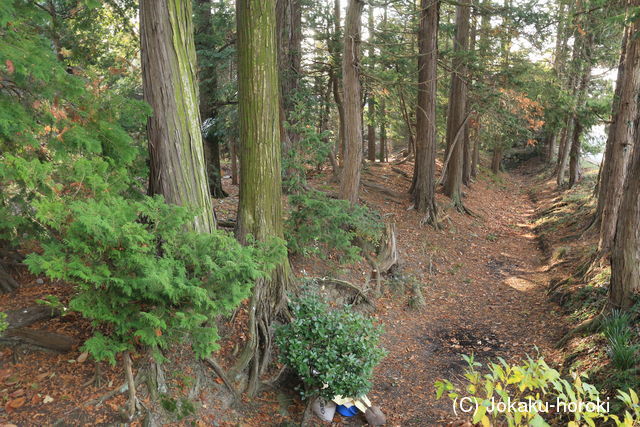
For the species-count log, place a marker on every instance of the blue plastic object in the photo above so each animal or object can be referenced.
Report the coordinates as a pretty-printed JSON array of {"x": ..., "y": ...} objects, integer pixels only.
[{"x": 347, "y": 412}]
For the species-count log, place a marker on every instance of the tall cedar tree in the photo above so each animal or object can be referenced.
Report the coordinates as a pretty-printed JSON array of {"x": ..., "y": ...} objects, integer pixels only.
[
  {"x": 208, "y": 85},
  {"x": 585, "y": 66},
  {"x": 289, "y": 36},
  {"x": 625, "y": 255},
  {"x": 423, "y": 186},
  {"x": 371, "y": 130},
  {"x": 177, "y": 166},
  {"x": 620, "y": 142},
  {"x": 457, "y": 107},
  {"x": 350, "y": 179},
  {"x": 467, "y": 157},
  {"x": 334, "y": 79},
  {"x": 260, "y": 205}
]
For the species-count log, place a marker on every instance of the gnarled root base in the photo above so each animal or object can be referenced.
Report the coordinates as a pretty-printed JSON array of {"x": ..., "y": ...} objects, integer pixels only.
[{"x": 268, "y": 304}]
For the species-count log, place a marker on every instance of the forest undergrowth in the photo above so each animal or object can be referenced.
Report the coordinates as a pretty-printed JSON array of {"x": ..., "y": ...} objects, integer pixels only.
[{"x": 485, "y": 285}]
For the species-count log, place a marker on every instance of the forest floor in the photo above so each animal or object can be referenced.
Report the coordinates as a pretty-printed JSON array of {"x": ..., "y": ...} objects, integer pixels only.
[
  {"x": 484, "y": 280},
  {"x": 483, "y": 277}
]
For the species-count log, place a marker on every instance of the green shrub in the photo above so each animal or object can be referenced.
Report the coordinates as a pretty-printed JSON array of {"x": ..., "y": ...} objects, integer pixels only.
[
  {"x": 495, "y": 397},
  {"x": 140, "y": 276},
  {"x": 621, "y": 349},
  {"x": 322, "y": 226},
  {"x": 623, "y": 355},
  {"x": 333, "y": 351}
]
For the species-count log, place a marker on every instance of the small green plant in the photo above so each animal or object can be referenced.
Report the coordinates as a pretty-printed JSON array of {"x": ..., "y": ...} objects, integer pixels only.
[
  {"x": 621, "y": 349},
  {"x": 333, "y": 351},
  {"x": 533, "y": 394},
  {"x": 322, "y": 226},
  {"x": 492, "y": 237},
  {"x": 54, "y": 303},
  {"x": 3, "y": 322}
]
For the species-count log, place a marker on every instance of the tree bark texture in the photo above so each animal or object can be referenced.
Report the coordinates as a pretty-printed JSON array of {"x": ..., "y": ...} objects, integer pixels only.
[
  {"x": 423, "y": 186},
  {"x": 350, "y": 179},
  {"x": 457, "y": 103},
  {"x": 625, "y": 255},
  {"x": 289, "y": 36},
  {"x": 620, "y": 141},
  {"x": 177, "y": 165},
  {"x": 260, "y": 205},
  {"x": 371, "y": 130}
]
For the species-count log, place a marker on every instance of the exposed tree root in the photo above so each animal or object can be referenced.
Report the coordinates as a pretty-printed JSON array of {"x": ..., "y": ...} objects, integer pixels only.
[
  {"x": 460, "y": 207},
  {"x": 223, "y": 376},
  {"x": 29, "y": 315},
  {"x": 131, "y": 385},
  {"x": 123, "y": 388},
  {"x": 7, "y": 282},
  {"x": 96, "y": 379},
  {"x": 401, "y": 172},
  {"x": 431, "y": 218},
  {"x": 268, "y": 304},
  {"x": 585, "y": 327},
  {"x": 40, "y": 340},
  {"x": 346, "y": 285},
  {"x": 396, "y": 197}
]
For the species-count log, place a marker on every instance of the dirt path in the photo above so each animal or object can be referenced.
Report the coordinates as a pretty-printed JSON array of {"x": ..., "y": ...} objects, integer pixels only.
[{"x": 484, "y": 285}]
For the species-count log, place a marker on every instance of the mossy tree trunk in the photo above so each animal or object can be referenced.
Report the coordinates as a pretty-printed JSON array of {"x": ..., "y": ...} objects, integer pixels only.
[
  {"x": 260, "y": 205},
  {"x": 350, "y": 178},
  {"x": 424, "y": 187},
  {"x": 457, "y": 107},
  {"x": 177, "y": 165}
]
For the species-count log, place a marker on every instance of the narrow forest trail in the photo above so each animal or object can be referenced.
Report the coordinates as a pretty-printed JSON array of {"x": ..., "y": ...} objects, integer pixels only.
[{"x": 484, "y": 284}]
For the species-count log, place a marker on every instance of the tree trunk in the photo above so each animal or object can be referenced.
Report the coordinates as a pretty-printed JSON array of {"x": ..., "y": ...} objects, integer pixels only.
[
  {"x": 582, "y": 91},
  {"x": 625, "y": 255},
  {"x": 563, "y": 156},
  {"x": 214, "y": 170},
  {"x": 475, "y": 161},
  {"x": 550, "y": 147},
  {"x": 208, "y": 86},
  {"x": 457, "y": 102},
  {"x": 620, "y": 142},
  {"x": 350, "y": 179},
  {"x": 233, "y": 153},
  {"x": 574, "y": 155},
  {"x": 496, "y": 159},
  {"x": 467, "y": 157},
  {"x": 371, "y": 131},
  {"x": 334, "y": 76},
  {"x": 289, "y": 37},
  {"x": 260, "y": 205},
  {"x": 383, "y": 132},
  {"x": 423, "y": 187},
  {"x": 177, "y": 168}
]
